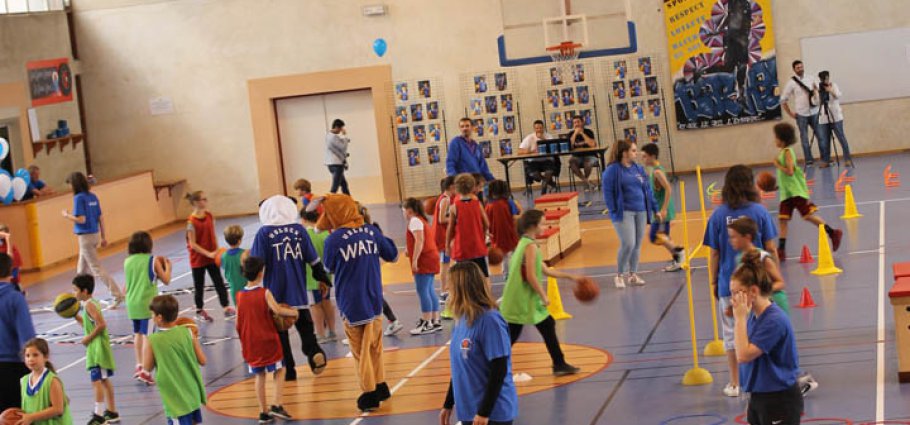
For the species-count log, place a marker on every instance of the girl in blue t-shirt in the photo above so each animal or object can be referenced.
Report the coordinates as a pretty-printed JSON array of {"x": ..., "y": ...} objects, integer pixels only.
[
  {"x": 481, "y": 389},
  {"x": 765, "y": 347}
]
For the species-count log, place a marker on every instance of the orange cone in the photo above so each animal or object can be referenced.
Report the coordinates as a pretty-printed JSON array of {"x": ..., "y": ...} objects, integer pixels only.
[
  {"x": 806, "y": 301},
  {"x": 806, "y": 256}
]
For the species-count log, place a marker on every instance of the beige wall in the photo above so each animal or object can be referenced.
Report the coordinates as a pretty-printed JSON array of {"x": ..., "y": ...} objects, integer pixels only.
[
  {"x": 25, "y": 38},
  {"x": 202, "y": 53}
]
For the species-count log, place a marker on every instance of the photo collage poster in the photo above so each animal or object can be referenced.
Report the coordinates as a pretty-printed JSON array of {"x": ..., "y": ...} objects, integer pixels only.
[
  {"x": 420, "y": 134},
  {"x": 567, "y": 93},
  {"x": 635, "y": 88},
  {"x": 491, "y": 104}
]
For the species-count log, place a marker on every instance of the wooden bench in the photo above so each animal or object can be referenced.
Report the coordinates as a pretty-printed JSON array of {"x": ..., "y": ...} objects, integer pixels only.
[
  {"x": 561, "y": 212},
  {"x": 167, "y": 184},
  {"x": 548, "y": 242}
]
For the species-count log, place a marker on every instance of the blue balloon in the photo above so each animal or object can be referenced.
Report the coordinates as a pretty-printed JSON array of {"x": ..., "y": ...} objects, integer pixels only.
[
  {"x": 3, "y": 171},
  {"x": 23, "y": 174},
  {"x": 380, "y": 46},
  {"x": 8, "y": 199}
]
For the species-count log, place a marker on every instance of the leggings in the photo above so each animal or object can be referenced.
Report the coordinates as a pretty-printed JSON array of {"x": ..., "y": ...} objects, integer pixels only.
[
  {"x": 547, "y": 329},
  {"x": 429, "y": 302},
  {"x": 217, "y": 281},
  {"x": 631, "y": 230},
  {"x": 387, "y": 312},
  {"x": 308, "y": 344},
  {"x": 10, "y": 393}
]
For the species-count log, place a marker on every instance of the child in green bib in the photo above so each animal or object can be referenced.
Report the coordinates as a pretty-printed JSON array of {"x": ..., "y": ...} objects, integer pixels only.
[
  {"x": 232, "y": 259},
  {"x": 44, "y": 401},
  {"x": 524, "y": 299},
  {"x": 99, "y": 358},
  {"x": 141, "y": 271},
  {"x": 323, "y": 310},
  {"x": 663, "y": 198},
  {"x": 794, "y": 191},
  {"x": 175, "y": 356}
]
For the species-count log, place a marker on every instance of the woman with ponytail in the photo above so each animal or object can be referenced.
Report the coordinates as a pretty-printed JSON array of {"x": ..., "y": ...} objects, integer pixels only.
[{"x": 765, "y": 348}]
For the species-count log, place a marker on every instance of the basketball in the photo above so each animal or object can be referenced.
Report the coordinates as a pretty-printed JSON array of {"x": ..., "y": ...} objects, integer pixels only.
[
  {"x": 218, "y": 253},
  {"x": 429, "y": 206},
  {"x": 766, "y": 181},
  {"x": 586, "y": 290},
  {"x": 283, "y": 323},
  {"x": 188, "y": 323},
  {"x": 66, "y": 305},
  {"x": 11, "y": 416},
  {"x": 495, "y": 256}
]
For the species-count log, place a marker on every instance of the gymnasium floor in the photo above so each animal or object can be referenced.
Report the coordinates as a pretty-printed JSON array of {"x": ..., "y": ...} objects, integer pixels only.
[{"x": 633, "y": 344}]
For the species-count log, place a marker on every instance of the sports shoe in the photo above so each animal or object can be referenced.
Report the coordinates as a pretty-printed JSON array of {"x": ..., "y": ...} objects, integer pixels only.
[
  {"x": 290, "y": 375},
  {"x": 111, "y": 417},
  {"x": 443, "y": 297},
  {"x": 635, "y": 280},
  {"x": 319, "y": 363},
  {"x": 673, "y": 267},
  {"x": 332, "y": 336},
  {"x": 423, "y": 327},
  {"x": 619, "y": 281},
  {"x": 345, "y": 342},
  {"x": 807, "y": 383},
  {"x": 836, "y": 236},
  {"x": 731, "y": 391},
  {"x": 437, "y": 325},
  {"x": 116, "y": 303},
  {"x": 137, "y": 371},
  {"x": 202, "y": 315},
  {"x": 393, "y": 328},
  {"x": 264, "y": 418},
  {"x": 382, "y": 391},
  {"x": 565, "y": 369},
  {"x": 230, "y": 313},
  {"x": 146, "y": 378},
  {"x": 781, "y": 255},
  {"x": 280, "y": 413},
  {"x": 96, "y": 420},
  {"x": 368, "y": 402}
]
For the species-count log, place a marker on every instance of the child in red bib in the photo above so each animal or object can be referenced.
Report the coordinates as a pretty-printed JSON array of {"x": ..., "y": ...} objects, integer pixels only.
[
  {"x": 202, "y": 245},
  {"x": 466, "y": 235},
  {"x": 501, "y": 212}
]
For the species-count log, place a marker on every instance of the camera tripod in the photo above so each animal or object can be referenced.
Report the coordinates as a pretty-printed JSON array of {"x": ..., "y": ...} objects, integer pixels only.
[{"x": 827, "y": 111}]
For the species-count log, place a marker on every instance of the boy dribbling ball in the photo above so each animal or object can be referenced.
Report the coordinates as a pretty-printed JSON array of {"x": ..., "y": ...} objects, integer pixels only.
[
  {"x": 259, "y": 338},
  {"x": 99, "y": 358}
]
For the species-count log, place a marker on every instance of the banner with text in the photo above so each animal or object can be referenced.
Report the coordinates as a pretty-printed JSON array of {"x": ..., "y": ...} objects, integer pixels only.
[
  {"x": 50, "y": 81},
  {"x": 723, "y": 62}
]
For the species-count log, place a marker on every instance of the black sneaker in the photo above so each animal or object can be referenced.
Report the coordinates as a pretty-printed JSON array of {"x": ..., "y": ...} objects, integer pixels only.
[
  {"x": 382, "y": 391},
  {"x": 264, "y": 418},
  {"x": 437, "y": 325},
  {"x": 280, "y": 413},
  {"x": 368, "y": 402},
  {"x": 565, "y": 369},
  {"x": 290, "y": 375},
  {"x": 423, "y": 327},
  {"x": 111, "y": 417},
  {"x": 96, "y": 420}
]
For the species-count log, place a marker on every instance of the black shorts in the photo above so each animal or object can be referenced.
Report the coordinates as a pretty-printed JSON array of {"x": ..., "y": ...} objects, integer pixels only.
[
  {"x": 803, "y": 205},
  {"x": 481, "y": 262},
  {"x": 777, "y": 408},
  {"x": 539, "y": 167}
]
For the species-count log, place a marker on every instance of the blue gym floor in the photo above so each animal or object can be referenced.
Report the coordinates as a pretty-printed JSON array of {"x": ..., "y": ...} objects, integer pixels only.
[{"x": 645, "y": 329}]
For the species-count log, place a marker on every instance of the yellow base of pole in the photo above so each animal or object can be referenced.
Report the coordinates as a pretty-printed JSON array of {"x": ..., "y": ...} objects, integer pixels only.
[
  {"x": 697, "y": 376},
  {"x": 715, "y": 348}
]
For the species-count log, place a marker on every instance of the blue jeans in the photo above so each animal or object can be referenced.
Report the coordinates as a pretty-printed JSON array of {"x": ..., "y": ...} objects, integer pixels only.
[
  {"x": 803, "y": 123},
  {"x": 338, "y": 179},
  {"x": 824, "y": 140},
  {"x": 631, "y": 230},
  {"x": 429, "y": 302}
]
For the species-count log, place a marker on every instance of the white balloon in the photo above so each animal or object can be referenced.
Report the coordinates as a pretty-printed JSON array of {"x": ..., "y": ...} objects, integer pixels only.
[
  {"x": 5, "y": 185},
  {"x": 19, "y": 188},
  {"x": 4, "y": 148}
]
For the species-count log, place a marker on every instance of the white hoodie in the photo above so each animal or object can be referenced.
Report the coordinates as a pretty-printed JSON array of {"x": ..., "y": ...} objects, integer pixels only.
[{"x": 278, "y": 210}]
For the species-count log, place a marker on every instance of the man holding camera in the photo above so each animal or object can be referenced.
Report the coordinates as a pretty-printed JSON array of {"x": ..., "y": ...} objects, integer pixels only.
[
  {"x": 803, "y": 89},
  {"x": 336, "y": 156},
  {"x": 831, "y": 119}
]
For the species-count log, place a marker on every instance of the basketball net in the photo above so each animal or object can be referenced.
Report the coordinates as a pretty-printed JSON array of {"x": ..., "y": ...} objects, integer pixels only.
[{"x": 565, "y": 55}]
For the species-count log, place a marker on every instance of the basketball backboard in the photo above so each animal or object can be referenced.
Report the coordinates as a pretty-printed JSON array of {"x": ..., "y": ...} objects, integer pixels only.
[{"x": 603, "y": 27}]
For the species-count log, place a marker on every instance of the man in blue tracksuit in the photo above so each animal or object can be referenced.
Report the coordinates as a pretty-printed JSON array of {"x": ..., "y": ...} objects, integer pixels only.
[
  {"x": 465, "y": 155},
  {"x": 15, "y": 329}
]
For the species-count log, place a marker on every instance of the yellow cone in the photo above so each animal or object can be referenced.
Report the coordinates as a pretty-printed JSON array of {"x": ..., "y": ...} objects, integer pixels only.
[
  {"x": 555, "y": 307},
  {"x": 850, "y": 205},
  {"x": 825, "y": 259}
]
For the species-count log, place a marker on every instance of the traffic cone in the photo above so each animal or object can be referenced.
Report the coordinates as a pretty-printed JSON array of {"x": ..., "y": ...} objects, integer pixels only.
[
  {"x": 806, "y": 256},
  {"x": 850, "y": 205},
  {"x": 555, "y": 307},
  {"x": 825, "y": 258},
  {"x": 805, "y": 300}
]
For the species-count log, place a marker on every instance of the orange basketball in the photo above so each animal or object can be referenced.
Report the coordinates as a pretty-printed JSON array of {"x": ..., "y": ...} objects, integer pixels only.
[
  {"x": 429, "y": 206},
  {"x": 188, "y": 323},
  {"x": 766, "y": 181},
  {"x": 10, "y": 416},
  {"x": 218, "y": 253},
  {"x": 495, "y": 256},
  {"x": 586, "y": 290},
  {"x": 283, "y": 323}
]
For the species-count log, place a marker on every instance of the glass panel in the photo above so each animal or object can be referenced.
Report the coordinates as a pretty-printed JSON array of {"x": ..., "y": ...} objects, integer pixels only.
[
  {"x": 2, "y": 7},
  {"x": 37, "y": 6},
  {"x": 17, "y": 6}
]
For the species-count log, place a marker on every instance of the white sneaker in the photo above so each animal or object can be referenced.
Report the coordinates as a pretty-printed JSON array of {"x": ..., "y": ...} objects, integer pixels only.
[
  {"x": 345, "y": 342},
  {"x": 635, "y": 280},
  {"x": 393, "y": 328},
  {"x": 673, "y": 267},
  {"x": 423, "y": 327},
  {"x": 807, "y": 383},
  {"x": 619, "y": 281},
  {"x": 731, "y": 391}
]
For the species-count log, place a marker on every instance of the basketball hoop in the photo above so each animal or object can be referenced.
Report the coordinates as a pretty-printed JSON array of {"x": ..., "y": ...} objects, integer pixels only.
[{"x": 565, "y": 55}]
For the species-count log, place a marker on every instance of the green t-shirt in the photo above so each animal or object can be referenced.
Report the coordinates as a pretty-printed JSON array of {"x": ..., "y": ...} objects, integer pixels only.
[
  {"x": 791, "y": 186},
  {"x": 233, "y": 273},
  {"x": 98, "y": 353},
  {"x": 140, "y": 285},
  {"x": 177, "y": 371},
  {"x": 520, "y": 303},
  {"x": 318, "y": 238},
  {"x": 660, "y": 193},
  {"x": 41, "y": 399},
  {"x": 779, "y": 297}
]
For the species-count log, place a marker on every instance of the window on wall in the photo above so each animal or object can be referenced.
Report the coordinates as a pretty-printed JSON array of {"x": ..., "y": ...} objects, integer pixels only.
[{"x": 32, "y": 6}]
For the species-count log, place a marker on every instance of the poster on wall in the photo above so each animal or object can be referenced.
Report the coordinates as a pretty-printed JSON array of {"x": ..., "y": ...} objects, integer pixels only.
[
  {"x": 50, "y": 81},
  {"x": 722, "y": 61}
]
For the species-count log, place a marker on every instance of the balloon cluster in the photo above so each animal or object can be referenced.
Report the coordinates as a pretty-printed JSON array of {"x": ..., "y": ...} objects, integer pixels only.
[{"x": 12, "y": 187}]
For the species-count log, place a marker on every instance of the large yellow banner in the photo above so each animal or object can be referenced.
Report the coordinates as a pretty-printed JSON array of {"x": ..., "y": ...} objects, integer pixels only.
[{"x": 723, "y": 62}]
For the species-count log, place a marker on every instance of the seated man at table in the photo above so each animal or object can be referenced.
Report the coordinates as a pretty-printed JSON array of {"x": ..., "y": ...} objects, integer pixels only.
[
  {"x": 539, "y": 169},
  {"x": 582, "y": 138},
  {"x": 36, "y": 186}
]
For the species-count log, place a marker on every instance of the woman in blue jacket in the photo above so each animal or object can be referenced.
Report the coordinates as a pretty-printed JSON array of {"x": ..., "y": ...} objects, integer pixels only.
[{"x": 630, "y": 201}]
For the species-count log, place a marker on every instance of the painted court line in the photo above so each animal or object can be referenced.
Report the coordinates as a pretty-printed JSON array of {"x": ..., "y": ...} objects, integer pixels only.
[{"x": 880, "y": 344}]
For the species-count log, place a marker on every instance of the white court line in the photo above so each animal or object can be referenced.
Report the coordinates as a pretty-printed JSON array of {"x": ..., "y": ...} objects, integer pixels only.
[
  {"x": 407, "y": 377},
  {"x": 880, "y": 344}
]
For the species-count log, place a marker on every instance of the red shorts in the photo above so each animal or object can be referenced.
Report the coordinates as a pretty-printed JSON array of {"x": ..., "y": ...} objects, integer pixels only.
[{"x": 803, "y": 205}]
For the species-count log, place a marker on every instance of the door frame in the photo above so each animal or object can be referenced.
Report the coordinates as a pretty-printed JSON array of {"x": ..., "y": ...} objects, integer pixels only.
[{"x": 263, "y": 93}]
